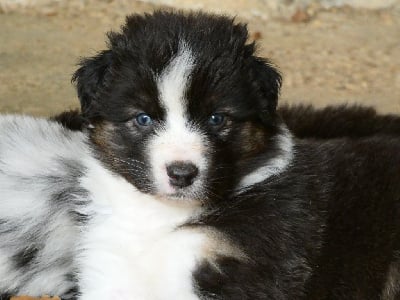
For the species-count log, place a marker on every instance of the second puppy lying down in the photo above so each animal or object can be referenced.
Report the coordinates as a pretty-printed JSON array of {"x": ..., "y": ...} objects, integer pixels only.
[{"x": 188, "y": 185}]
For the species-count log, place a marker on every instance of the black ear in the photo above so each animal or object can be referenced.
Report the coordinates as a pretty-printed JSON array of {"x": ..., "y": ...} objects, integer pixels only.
[
  {"x": 90, "y": 81},
  {"x": 267, "y": 82}
]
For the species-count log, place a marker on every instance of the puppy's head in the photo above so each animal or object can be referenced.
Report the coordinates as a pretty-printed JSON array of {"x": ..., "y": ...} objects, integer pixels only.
[{"x": 177, "y": 101}]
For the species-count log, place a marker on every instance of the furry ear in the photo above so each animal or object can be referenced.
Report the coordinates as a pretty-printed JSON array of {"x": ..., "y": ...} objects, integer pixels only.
[
  {"x": 267, "y": 82},
  {"x": 90, "y": 81}
]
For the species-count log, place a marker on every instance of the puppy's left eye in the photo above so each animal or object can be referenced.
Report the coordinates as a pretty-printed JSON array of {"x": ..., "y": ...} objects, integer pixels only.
[
  {"x": 144, "y": 119},
  {"x": 216, "y": 120}
]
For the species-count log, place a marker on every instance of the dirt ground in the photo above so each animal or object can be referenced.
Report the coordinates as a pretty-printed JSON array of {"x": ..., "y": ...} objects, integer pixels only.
[{"x": 329, "y": 56}]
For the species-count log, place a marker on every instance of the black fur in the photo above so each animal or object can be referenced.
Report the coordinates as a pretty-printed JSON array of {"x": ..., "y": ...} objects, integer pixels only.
[
  {"x": 73, "y": 293},
  {"x": 25, "y": 257},
  {"x": 354, "y": 121},
  {"x": 71, "y": 119},
  {"x": 6, "y": 296},
  {"x": 316, "y": 231}
]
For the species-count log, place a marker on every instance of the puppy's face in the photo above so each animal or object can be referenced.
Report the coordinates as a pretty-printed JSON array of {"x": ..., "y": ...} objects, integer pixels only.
[{"x": 177, "y": 105}]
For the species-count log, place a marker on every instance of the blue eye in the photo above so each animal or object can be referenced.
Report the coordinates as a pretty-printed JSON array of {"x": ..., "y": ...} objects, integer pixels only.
[
  {"x": 216, "y": 119},
  {"x": 144, "y": 119}
]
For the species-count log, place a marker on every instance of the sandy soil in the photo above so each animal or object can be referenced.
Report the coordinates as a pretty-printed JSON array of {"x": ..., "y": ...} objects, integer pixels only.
[{"x": 335, "y": 56}]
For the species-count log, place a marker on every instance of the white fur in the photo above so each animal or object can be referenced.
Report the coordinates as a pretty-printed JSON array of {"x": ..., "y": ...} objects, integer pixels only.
[
  {"x": 178, "y": 140},
  {"x": 29, "y": 147},
  {"x": 173, "y": 81},
  {"x": 275, "y": 165},
  {"x": 131, "y": 248},
  {"x": 29, "y": 151}
]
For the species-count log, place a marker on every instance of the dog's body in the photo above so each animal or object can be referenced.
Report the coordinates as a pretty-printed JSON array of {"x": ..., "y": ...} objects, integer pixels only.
[{"x": 185, "y": 183}]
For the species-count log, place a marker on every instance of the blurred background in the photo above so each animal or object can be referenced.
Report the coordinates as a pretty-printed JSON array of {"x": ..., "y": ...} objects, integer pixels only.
[{"x": 329, "y": 51}]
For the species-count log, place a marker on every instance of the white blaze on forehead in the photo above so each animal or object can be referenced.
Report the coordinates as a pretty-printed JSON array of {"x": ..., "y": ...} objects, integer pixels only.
[
  {"x": 173, "y": 81},
  {"x": 178, "y": 140}
]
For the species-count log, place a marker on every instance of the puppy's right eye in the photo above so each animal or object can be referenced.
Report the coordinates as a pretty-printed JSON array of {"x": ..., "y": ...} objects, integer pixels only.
[
  {"x": 216, "y": 120},
  {"x": 143, "y": 119}
]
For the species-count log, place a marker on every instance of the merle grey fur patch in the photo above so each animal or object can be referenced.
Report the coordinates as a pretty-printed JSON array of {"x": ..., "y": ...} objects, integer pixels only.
[{"x": 43, "y": 206}]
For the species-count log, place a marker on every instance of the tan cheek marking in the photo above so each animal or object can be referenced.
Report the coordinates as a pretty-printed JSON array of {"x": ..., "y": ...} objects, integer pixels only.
[
  {"x": 102, "y": 136},
  {"x": 217, "y": 245},
  {"x": 254, "y": 139}
]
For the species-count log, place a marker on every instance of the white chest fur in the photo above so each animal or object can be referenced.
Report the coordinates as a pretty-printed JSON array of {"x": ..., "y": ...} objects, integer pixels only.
[{"x": 133, "y": 248}]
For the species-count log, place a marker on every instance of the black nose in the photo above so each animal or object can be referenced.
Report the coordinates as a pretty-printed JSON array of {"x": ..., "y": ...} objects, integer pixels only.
[{"x": 182, "y": 174}]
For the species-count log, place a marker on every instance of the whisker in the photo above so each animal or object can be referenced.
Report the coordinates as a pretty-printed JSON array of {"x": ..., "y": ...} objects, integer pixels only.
[{"x": 131, "y": 162}]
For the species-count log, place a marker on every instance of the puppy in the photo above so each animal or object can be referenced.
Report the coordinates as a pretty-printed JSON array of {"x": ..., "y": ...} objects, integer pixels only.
[{"x": 186, "y": 184}]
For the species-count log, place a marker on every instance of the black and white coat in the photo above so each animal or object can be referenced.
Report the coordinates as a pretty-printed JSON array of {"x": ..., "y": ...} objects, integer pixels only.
[{"x": 185, "y": 183}]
